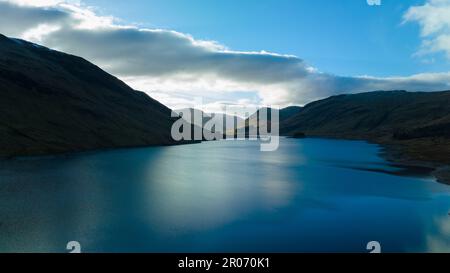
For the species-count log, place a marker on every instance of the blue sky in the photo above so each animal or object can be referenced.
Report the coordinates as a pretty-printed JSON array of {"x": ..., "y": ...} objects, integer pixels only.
[
  {"x": 247, "y": 52},
  {"x": 345, "y": 37}
]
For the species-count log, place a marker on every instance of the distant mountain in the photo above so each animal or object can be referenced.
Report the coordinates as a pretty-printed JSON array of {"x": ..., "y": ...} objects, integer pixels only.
[
  {"x": 283, "y": 114},
  {"x": 238, "y": 121},
  {"x": 52, "y": 102},
  {"x": 419, "y": 121}
]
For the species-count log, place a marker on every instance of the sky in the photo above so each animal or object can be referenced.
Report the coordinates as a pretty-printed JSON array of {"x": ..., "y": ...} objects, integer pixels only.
[
  {"x": 346, "y": 37},
  {"x": 247, "y": 52}
]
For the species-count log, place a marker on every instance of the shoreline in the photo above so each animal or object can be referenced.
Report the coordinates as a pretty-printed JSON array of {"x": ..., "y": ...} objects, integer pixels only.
[
  {"x": 396, "y": 154},
  {"x": 93, "y": 150}
]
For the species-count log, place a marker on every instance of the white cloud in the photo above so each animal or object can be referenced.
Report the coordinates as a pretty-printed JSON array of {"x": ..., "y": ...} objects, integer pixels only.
[
  {"x": 36, "y": 3},
  {"x": 174, "y": 67},
  {"x": 38, "y": 33},
  {"x": 434, "y": 20}
]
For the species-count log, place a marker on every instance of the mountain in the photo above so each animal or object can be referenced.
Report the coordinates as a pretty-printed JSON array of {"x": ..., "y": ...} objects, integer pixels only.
[
  {"x": 52, "y": 102},
  {"x": 419, "y": 122},
  {"x": 283, "y": 114},
  {"x": 375, "y": 114},
  {"x": 238, "y": 121},
  {"x": 288, "y": 112}
]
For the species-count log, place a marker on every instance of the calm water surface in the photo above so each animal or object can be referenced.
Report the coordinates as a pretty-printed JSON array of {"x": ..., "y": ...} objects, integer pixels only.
[{"x": 310, "y": 195}]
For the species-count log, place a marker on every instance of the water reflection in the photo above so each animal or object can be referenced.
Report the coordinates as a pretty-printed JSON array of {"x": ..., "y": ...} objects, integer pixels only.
[
  {"x": 311, "y": 195},
  {"x": 439, "y": 241}
]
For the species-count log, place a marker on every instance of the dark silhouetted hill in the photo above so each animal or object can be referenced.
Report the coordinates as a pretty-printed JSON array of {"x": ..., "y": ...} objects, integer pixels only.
[
  {"x": 374, "y": 114},
  {"x": 52, "y": 102}
]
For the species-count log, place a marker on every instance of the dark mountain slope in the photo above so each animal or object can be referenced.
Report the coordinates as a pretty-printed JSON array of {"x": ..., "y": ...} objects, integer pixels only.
[
  {"x": 288, "y": 112},
  {"x": 52, "y": 102},
  {"x": 396, "y": 114}
]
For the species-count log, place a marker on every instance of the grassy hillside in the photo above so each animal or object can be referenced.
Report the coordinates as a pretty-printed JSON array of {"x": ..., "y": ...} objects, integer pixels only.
[{"x": 51, "y": 102}]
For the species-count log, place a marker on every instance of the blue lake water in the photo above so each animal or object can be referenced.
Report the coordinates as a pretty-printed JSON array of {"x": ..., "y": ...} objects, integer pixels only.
[{"x": 312, "y": 195}]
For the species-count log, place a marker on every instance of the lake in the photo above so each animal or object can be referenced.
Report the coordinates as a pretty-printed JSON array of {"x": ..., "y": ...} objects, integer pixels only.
[{"x": 311, "y": 195}]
